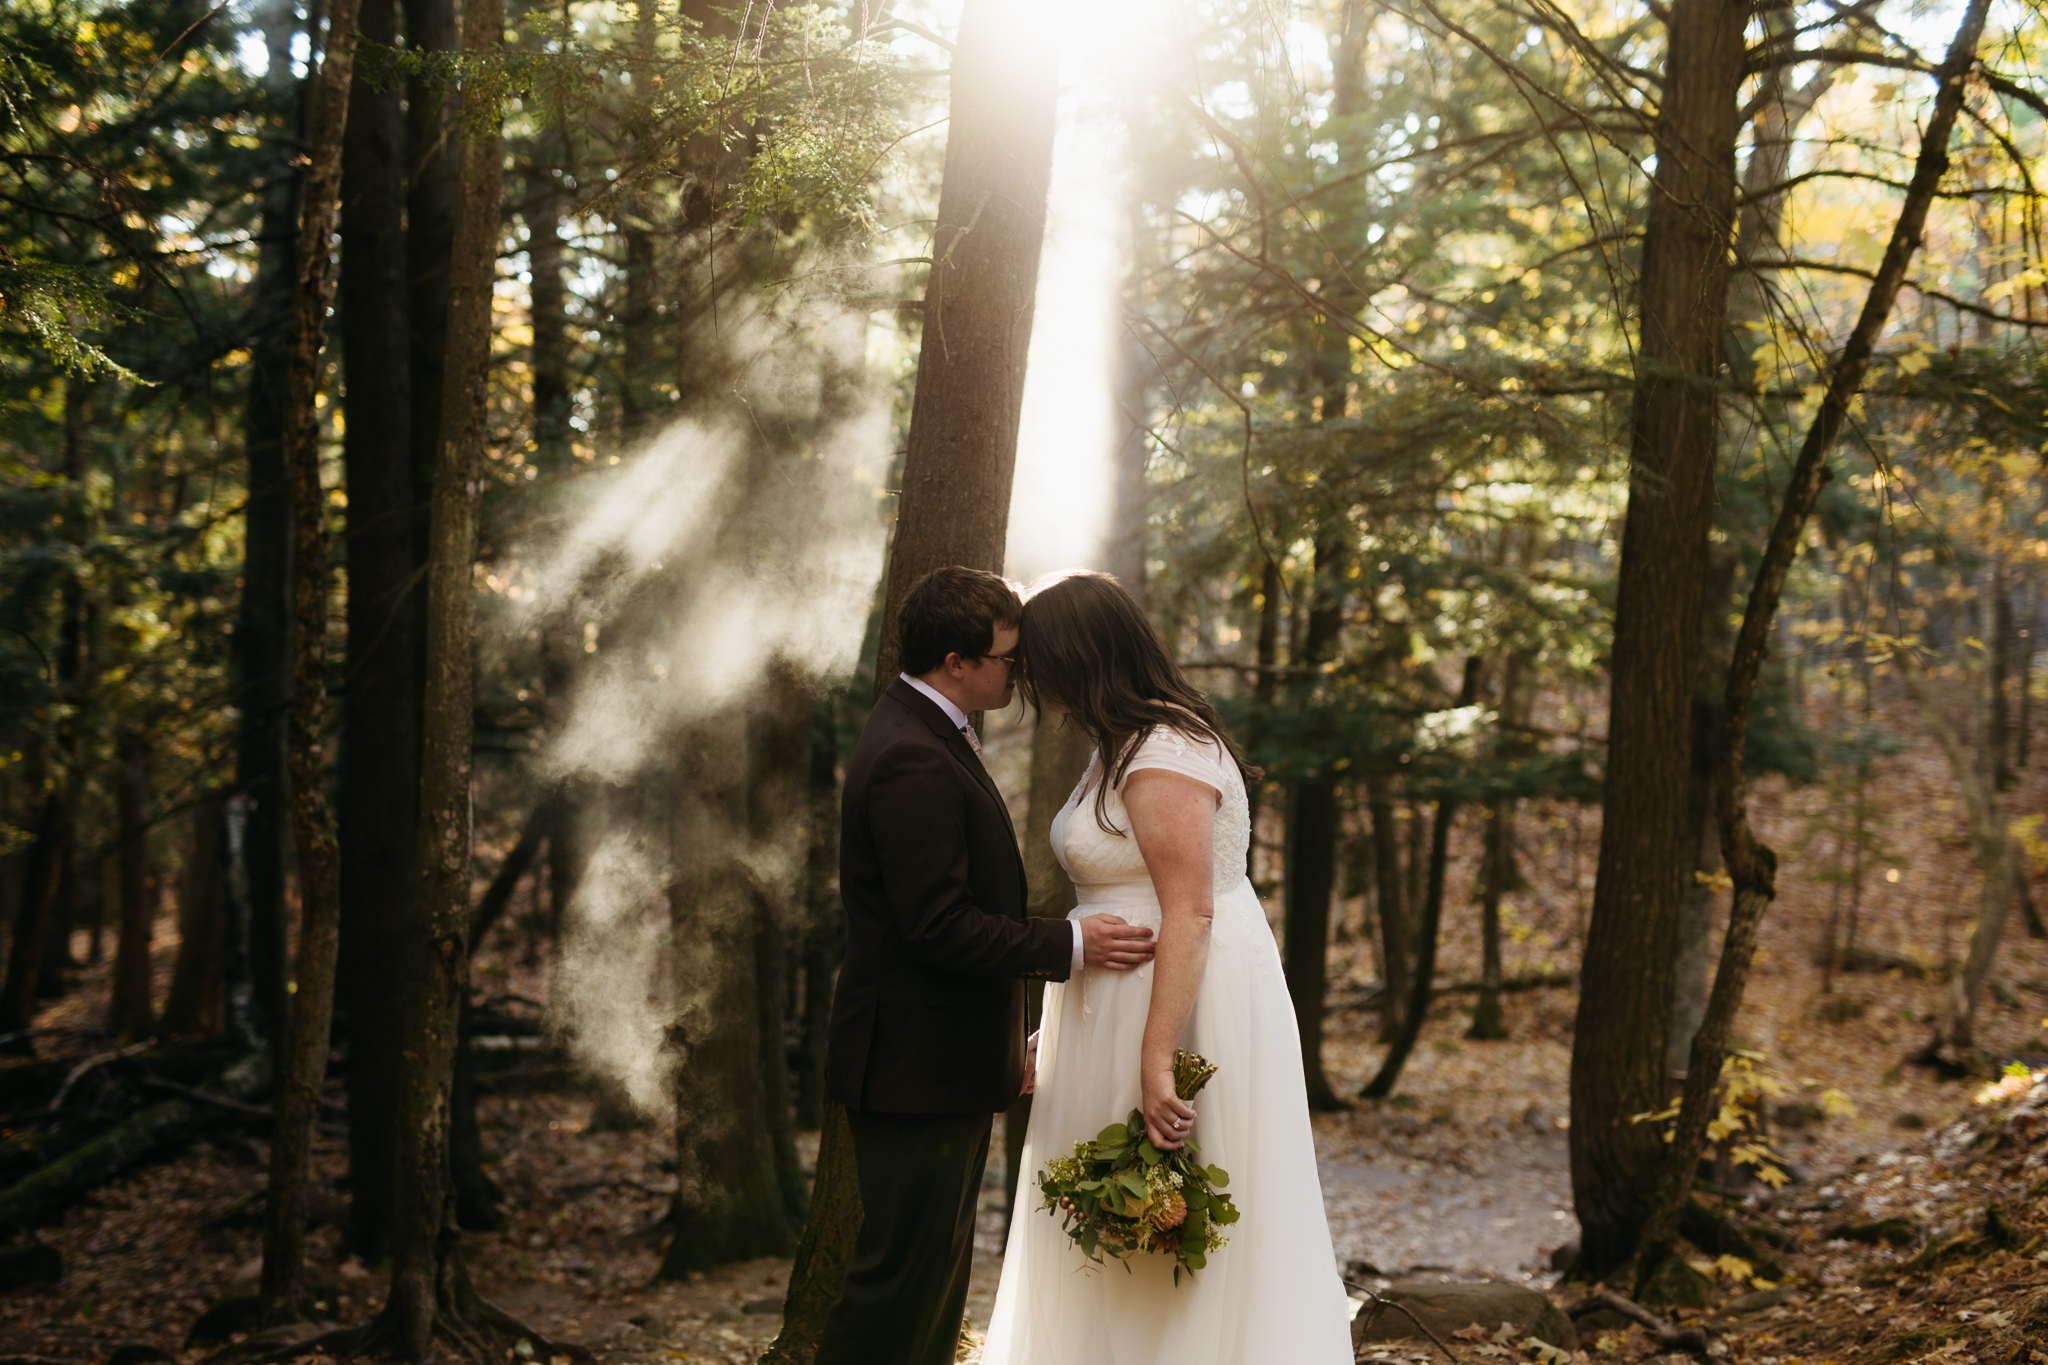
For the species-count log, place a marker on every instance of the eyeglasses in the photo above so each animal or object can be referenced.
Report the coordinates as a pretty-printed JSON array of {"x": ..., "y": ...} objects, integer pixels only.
[{"x": 1015, "y": 662}]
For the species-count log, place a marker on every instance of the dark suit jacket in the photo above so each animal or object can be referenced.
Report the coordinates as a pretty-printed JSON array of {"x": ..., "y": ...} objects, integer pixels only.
[{"x": 929, "y": 1014}]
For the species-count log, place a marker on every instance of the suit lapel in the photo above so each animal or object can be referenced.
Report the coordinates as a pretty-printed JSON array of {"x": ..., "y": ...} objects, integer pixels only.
[{"x": 956, "y": 743}]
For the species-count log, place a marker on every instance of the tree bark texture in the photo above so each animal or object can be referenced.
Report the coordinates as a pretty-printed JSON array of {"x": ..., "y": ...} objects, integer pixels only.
[
  {"x": 778, "y": 745},
  {"x": 379, "y": 815},
  {"x": 133, "y": 1014},
  {"x": 1429, "y": 915},
  {"x": 431, "y": 186},
  {"x": 638, "y": 312},
  {"x": 1517, "y": 701},
  {"x": 37, "y": 951},
  {"x": 955, "y": 505},
  {"x": 826, "y": 1248},
  {"x": 197, "y": 1007},
  {"x": 1392, "y": 904},
  {"x": 824, "y": 933},
  {"x": 547, "y": 261},
  {"x": 1751, "y": 865},
  {"x": 729, "y": 1203},
  {"x": 1267, "y": 653},
  {"x": 1488, "y": 1022},
  {"x": 962, "y": 456},
  {"x": 1429, "y": 908},
  {"x": 1998, "y": 869},
  {"x": 1998, "y": 668},
  {"x": 303, "y": 1060},
  {"x": 429, "y": 1288},
  {"x": 1311, "y": 850},
  {"x": 262, "y": 640},
  {"x": 1618, "y": 1059}
]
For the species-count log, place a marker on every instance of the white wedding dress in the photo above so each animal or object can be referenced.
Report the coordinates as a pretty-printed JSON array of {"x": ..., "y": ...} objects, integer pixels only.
[{"x": 1272, "y": 1296}]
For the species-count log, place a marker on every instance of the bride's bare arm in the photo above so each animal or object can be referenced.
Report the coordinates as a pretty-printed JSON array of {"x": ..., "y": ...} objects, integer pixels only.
[{"x": 1172, "y": 818}]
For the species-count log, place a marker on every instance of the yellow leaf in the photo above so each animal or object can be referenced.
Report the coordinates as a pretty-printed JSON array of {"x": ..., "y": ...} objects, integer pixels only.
[
  {"x": 1734, "y": 1267},
  {"x": 1912, "y": 362}
]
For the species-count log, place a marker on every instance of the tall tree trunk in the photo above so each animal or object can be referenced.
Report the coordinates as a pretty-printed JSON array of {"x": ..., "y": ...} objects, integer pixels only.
[
  {"x": 304, "y": 1061},
  {"x": 1392, "y": 901},
  {"x": 1998, "y": 668},
  {"x": 1496, "y": 866},
  {"x": 554, "y": 455},
  {"x": 1998, "y": 869},
  {"x": 638, "y": 316},
  {"x": 1692, "y": 950},
  {"x": 41, "y": 916},
  {"x": 1517, "y": 700},
  {"x": 1311, "y": 849},
  {"x": 1618, "y": 1057},
  {"x": 430, "y": 1289},
  {"x": 1428, "y": 917},
  {"x": 824, "y": 934},
  {"x": 2026, "y": 703},
  {"x": 379, "y": 815},
  {"x": 431, "y": 139},
  {"x": 778, "y": 742},
  {"x": 197, "y": 1007},
  {"x": 547, "y": 261},
  {"x": 1266, "y": 688},
  {"x": 262, "y": 640},
  {"x": 1751, "y": 865},
  {"x": 962, "y": 451},
  {"x": 729, "y": 1202},
  {"x": 133, "y": 1014}
]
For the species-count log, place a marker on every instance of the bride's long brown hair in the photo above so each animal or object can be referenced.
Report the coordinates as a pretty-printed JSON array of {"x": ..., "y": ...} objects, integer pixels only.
[{"x": 1087, "y": 644}]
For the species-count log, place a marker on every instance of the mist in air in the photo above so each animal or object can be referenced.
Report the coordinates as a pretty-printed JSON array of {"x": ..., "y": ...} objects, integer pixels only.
[{"x": 691, "y": 574}]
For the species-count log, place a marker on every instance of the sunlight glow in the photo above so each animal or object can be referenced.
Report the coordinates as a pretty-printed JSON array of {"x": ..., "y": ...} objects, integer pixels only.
[{"x": 1062, "y": 492}]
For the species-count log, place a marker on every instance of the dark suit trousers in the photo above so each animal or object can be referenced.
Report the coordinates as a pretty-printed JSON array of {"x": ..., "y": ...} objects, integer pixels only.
[{"x": 906, "y": 1288}]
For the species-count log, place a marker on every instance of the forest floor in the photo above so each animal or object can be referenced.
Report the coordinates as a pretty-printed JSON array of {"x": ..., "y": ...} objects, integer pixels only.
[{"x": 1464, "y": 1172}]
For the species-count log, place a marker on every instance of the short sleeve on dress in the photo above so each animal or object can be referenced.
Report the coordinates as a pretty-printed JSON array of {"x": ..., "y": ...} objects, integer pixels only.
[{"x": 1168, "y": 749}]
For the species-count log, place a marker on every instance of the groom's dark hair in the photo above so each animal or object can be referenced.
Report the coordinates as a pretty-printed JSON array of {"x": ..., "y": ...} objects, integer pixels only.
[{"x": 954, "y": 610}]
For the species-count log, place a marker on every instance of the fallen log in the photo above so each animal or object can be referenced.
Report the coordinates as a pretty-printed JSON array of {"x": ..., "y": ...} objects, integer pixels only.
[{"x": 43, "y": 1194}]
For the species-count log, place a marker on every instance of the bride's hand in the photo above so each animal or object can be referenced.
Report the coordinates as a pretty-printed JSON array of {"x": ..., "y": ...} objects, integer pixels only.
[
  {"x": 1168, "y": 1117},
  {"x": 1031, "y": 1062}
]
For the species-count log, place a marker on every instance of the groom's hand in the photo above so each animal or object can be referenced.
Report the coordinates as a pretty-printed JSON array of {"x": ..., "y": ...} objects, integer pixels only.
[{"x": 1107, "y": 941}]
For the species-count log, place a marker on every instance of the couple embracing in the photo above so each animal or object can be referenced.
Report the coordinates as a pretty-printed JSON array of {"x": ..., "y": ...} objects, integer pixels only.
[{"x": 1168, "y": 948}]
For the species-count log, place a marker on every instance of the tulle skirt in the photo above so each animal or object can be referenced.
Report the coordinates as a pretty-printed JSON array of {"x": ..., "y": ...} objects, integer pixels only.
[{"x": 1273, "y": 1294}]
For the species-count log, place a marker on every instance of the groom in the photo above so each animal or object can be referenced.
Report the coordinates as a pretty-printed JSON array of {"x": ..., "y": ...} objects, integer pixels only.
[{"x": 928, "y": 1023}]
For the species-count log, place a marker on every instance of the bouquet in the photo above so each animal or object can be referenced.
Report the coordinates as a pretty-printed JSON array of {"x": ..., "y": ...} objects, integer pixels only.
[{"x": 1120, "y": 1196}]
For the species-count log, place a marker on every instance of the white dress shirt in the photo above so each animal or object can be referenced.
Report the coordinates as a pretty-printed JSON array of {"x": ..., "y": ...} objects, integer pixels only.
[{"x": 959, "y": 719}]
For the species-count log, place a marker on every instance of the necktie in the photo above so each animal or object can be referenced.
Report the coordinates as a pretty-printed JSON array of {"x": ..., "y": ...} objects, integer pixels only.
[{"x": 973, "y": 740}]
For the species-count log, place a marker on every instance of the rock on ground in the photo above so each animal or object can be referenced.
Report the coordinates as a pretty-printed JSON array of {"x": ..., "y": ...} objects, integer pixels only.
[{"x": 1445, "y": 1308}]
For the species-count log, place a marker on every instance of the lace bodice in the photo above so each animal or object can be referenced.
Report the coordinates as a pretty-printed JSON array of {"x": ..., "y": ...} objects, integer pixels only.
[{"x": 1095, "y": 858}]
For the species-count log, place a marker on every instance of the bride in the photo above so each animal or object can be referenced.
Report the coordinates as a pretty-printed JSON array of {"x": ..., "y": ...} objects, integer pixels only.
[{"x": 1157, "y": 832}]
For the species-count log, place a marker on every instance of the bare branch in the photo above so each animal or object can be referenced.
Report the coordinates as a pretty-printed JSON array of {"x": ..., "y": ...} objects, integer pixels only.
[{"x": 1963, "y": 305}]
